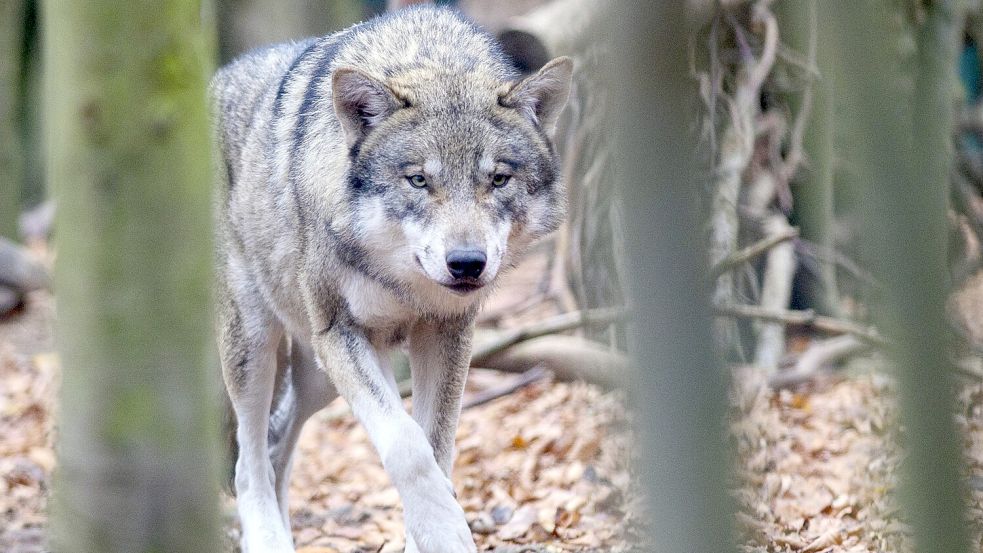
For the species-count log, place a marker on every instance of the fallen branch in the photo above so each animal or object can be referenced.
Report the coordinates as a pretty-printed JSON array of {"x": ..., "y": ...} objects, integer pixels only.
[
  {"x": 531, "y": 376},
  {"x": 569, "y": 358},
  {"x": 754, "y": 250},
  {"x": 806, "y": 318},
  {"x": 817, "y": 357},
  {"x": 488, "y": 347}
]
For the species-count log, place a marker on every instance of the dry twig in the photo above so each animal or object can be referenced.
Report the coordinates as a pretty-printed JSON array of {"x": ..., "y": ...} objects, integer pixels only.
[
  {"x": 531, "y": 376},
  {"x": 806, "y": 318},
  {"x": 754, "y": 250}
]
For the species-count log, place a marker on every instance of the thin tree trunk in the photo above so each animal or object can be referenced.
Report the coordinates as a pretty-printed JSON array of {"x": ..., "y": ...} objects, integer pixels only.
[
  {"x": 898, "y": 131},
  {"x": 12, "y": 21},
  {"x": 678, "y": 389},
  {"x": 809, "y": 37},
  {"x": 128, "y": 128}
]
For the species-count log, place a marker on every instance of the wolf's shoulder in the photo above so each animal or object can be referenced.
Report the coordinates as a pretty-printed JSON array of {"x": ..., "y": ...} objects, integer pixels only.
[{"x": 255, "y": 70}]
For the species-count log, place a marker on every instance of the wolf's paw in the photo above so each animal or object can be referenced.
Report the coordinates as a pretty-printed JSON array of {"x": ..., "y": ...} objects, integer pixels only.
[
  {"x": 438, "y": 527},
  {"x": 268, "y": 543},
  {"x": 266, "y": 537}
]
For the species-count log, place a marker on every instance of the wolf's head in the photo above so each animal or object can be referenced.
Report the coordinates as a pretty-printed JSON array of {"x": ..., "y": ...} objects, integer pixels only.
[{"x": 451, "y": 175}]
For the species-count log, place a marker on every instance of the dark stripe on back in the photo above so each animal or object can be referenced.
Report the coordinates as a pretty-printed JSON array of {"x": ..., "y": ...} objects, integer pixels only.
[
  {"x": 288, "y": 78},
  {"x": 311, "y": 95}
]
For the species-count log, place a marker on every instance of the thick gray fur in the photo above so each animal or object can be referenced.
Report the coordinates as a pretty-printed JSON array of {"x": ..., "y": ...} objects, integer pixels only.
[{"x": 351, "y": 167}]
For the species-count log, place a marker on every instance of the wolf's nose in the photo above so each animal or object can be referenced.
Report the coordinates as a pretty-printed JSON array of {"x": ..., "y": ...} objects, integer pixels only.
[{"x": 466, "y": 263}]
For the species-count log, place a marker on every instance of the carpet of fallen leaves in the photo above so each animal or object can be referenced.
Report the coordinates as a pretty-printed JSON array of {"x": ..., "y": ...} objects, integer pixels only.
[
  {"x": 542, "y": 470},
  {"x": 545, "y": 468}
]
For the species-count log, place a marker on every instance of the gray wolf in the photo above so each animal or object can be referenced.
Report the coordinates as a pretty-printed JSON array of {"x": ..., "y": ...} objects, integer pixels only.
[{"x": 375, "y": 183}]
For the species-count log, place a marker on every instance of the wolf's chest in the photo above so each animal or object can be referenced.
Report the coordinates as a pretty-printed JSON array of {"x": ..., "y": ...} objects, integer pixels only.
[{"x": 373, "y": 305}]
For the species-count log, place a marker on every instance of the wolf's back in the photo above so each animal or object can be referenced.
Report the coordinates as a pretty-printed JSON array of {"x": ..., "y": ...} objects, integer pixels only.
[{"x": 237, "y": 92}]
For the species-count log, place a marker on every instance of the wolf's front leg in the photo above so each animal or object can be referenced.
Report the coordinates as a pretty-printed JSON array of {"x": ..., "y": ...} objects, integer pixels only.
[
  {"x": 434, "y": 519},
  {"x": 439, "y": 357}
]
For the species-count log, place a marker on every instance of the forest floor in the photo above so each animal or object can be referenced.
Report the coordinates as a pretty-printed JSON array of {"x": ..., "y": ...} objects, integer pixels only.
[{"x": 545, "y": 469}]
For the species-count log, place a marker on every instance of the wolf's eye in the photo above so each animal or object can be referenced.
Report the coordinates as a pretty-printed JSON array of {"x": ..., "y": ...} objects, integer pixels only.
[
  {"x": 499, "y": 180},
  {"x": 417, "y": 181}
]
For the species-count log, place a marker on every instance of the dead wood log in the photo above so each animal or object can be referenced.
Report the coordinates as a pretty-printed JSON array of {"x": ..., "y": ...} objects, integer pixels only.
[
  {"x": 568, "y": 357},
  {"x": 561, "y": 27},
  {"x": 818, "y": 357},
  {"x": 489, "y": 345},
  {"x": 18, "y": 271}
]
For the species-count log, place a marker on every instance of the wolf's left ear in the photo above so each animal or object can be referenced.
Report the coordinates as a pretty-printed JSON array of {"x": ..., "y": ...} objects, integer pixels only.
[
  {"x": 541, "y": 97},
  {"x": 360, "y": 102}
]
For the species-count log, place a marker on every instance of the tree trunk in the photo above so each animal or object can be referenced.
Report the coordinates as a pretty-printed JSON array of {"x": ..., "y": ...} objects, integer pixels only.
[
  {"x": 129, "y": 147},
  {"x": 678, "y": 389},
  {"x": 897, "y": 112},
  {"x": 12, "y": 21},
  {"x": 810, "y": 37},
  {"x": 248, "y": 24}
]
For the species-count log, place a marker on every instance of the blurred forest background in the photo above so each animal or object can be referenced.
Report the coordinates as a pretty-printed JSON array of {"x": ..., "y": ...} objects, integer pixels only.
[{"x": 775, "y": 210}]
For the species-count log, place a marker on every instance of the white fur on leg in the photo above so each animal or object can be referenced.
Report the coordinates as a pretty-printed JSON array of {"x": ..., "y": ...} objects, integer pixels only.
[
  {"x": 263, "y": 529},
  {"x": 435, "y": 522}
]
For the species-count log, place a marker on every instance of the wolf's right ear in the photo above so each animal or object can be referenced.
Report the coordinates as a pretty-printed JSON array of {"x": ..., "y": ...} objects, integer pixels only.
[{"x": 360, "y": 102}]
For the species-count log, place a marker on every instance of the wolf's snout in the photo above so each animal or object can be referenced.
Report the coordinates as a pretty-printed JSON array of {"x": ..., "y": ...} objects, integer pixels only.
[{"x": 466, "y": 263}]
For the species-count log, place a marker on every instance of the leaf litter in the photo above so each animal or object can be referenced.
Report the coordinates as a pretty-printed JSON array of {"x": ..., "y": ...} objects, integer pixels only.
[{"x": 545, "y": 469}]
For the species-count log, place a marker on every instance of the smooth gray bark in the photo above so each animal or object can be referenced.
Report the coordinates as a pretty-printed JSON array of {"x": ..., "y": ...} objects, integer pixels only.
[
  {"x": 896, "y": 111},
  {"x": 129, "y": 143},
  {"x": 678, "y": 389},
  {"x": 12, "y": 14}
]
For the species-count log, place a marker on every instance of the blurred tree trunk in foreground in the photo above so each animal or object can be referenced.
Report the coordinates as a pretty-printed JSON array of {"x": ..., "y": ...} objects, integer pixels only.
[
  {"x": 129, "y": 143},
  {"x": 12, "y": 16},
  {"x": 248, "y": 24},
  {"x": 896, "y": 111},
  {"x": 677, "y": 388}
]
